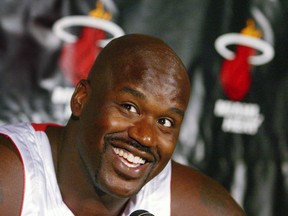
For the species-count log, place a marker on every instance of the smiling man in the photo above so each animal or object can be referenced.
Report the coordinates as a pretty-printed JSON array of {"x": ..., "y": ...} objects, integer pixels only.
[{"x": 114, "y": 155}]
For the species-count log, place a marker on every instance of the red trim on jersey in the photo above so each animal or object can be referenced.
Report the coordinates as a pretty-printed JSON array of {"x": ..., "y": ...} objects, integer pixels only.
[
  {"x": 43, "y": 127},
  {"x": 23, "y": 170}
]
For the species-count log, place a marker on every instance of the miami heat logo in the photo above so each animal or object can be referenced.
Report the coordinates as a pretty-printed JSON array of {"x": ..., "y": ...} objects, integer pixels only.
[
  {"x": 235, "y": 75},
  {"x": 79, "y": 53}
]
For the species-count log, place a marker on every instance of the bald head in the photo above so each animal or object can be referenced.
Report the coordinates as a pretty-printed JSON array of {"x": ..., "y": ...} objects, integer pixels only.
[
  {"x": 133, "y": 44},
  {"x": 139, "y": 51}
]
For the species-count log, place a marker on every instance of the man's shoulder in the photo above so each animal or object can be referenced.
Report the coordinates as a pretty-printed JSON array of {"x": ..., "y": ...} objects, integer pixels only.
[
  {"x": 193, "y": 191},
  {"x": 12, "y": 178}
]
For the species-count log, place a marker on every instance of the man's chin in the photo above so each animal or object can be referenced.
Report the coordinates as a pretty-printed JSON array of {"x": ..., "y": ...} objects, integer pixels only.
[{"x": 124, "y": 190}]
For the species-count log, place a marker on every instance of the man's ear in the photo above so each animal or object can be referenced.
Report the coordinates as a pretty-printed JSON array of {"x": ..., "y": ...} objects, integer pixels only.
[{"x": 80, "y": 96}]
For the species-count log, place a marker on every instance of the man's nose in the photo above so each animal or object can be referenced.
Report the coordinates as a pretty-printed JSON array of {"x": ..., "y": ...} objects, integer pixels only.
[{"x": 143, "y": 131}]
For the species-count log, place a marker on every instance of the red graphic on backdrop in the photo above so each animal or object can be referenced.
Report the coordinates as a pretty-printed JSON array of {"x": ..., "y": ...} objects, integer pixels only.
[
  {"x": 235, "y": 75},
  {"x": 77, "y": 58}
]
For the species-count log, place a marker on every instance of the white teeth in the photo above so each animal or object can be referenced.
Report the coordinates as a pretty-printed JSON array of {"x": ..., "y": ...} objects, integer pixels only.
[{"x": 128, "y": 156}]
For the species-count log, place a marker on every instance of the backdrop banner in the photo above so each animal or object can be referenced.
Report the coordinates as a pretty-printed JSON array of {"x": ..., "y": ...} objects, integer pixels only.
[{"x": 235, "y": 129}]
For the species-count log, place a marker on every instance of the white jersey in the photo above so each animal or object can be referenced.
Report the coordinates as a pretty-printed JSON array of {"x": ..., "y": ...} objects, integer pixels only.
[{"x": 41, "y": 192}]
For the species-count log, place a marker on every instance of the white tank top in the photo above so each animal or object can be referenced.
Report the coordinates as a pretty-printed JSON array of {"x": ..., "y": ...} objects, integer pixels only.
[{"x": 41, "y": 192}]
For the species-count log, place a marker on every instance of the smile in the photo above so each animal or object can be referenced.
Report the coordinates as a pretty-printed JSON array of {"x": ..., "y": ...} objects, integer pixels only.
[{"x": 128, "y": 159}]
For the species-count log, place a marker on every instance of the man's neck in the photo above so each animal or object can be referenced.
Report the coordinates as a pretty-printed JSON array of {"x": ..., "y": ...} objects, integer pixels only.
[{"x": 81, "y": 204}]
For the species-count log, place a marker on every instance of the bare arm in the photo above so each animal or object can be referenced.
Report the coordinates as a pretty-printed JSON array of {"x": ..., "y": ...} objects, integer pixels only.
[
  {"x": 196, "y": 194},
  {"x": 11, "y": 178}
]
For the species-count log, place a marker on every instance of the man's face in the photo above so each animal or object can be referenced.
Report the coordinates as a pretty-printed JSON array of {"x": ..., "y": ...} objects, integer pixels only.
[{"x": 130, "y": 126}]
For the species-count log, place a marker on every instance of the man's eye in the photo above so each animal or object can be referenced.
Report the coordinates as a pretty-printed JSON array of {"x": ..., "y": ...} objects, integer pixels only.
[
  {"x": 130, "y": 107},
  {"x": 165, "y": 122}
]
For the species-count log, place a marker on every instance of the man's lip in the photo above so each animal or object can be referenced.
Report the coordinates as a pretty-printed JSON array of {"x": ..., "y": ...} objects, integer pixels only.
[
  {"x": 148, "y": 157},
  {"x": 128, "y": 158},
  {"x": 128, "y": 170}
]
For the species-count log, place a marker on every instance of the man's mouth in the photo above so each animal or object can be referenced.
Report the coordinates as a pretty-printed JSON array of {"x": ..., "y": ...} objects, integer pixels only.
[{"x": 128, "y": 158}]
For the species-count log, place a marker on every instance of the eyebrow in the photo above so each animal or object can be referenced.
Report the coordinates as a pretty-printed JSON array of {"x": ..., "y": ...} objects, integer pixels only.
[
  {"x": 177, "y": 111},
  {"x": 134, "y": 92},
  {"x": 140, "y": 95}
]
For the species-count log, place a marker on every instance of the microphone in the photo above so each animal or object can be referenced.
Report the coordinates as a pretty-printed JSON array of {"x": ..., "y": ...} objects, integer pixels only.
[{"x": 141, "y": 212}]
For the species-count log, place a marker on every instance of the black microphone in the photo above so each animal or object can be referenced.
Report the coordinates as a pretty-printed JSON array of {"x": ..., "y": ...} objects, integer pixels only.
[{"x": 141, "y": 212}]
